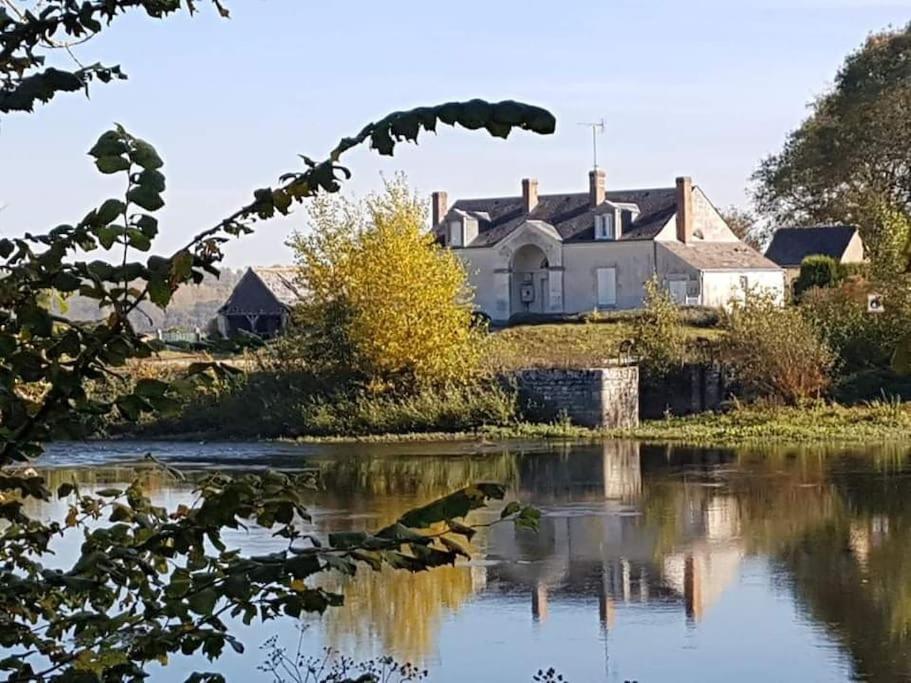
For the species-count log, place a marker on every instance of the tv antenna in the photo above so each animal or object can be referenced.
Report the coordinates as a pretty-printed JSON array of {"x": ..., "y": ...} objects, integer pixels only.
[{"x": 597, "y": 127}]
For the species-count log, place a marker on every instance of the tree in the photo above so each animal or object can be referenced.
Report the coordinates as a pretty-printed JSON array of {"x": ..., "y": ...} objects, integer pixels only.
[
  {"x": 658, "y": 333},
  {"x": 150, "y": 583},
  {"x": 775, "y": 352},
  {"x": 744, "y": 224},
  {"x": 851, "y": 154},
  {"x": 386, "y": 304}
]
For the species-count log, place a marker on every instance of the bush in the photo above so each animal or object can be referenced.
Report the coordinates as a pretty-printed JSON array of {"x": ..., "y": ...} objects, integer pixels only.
[
  {"x": 774, "y": 352},
  {"x": 386, "y": 305},
  {"x": 658, "y": 335},
  {"x": 818, "y": 271},
  {"x": 861, "y": 340}
]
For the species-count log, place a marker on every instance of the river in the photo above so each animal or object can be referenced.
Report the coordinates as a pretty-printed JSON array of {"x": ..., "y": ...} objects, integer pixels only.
[{"x": 652, "y": 563}]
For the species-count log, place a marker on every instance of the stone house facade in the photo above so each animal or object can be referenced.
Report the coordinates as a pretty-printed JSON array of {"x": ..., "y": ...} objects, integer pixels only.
[{"x": 581, "y": 252}]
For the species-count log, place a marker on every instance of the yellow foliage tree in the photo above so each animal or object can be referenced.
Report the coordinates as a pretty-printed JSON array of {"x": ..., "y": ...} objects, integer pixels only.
[{"x": 386, "y": 305}]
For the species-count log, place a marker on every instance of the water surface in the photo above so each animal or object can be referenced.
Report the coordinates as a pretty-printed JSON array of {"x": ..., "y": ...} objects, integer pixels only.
[{"x": 652, "y": 563}]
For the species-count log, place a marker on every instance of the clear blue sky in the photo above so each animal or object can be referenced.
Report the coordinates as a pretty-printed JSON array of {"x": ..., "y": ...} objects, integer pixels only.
[{"x": 699, "y": 87}]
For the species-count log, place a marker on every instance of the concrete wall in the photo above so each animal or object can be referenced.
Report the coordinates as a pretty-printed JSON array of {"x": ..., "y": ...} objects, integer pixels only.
[
  {"x": 490, "y": 294},
  {"x": 593, "y": 397}
]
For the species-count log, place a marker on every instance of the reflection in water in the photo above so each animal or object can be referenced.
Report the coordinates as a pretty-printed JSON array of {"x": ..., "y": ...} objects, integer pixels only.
[{"x": 711, "y": 564}]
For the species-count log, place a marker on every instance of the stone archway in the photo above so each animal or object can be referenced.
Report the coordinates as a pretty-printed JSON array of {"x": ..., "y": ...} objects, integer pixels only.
[{"x": 530, "y": 280}]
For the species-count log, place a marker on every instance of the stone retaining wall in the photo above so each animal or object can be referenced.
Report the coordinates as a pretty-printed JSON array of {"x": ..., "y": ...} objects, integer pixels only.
[{"x": 593, "y": 397}]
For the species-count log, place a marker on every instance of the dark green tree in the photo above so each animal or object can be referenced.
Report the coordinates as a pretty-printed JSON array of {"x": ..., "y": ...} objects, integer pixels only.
[
  {"x": 850, "y": 160},
  {"x": 151, "y": 583}
]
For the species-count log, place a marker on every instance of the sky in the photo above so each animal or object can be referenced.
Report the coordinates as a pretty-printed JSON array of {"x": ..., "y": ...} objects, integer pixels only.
[{"x": 704, "y": 88}]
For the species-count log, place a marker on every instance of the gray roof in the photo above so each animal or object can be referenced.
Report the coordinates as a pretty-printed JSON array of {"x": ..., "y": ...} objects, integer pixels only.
[
  {"x": 790, "y": 246},
  {"x": 571, "y": 214},
  {"x": 263, "y": 291},
  {"x": 720, "y": 256}
]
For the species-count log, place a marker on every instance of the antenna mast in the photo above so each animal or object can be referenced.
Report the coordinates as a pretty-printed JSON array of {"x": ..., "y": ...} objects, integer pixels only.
[{"x": 597, "y": 127}]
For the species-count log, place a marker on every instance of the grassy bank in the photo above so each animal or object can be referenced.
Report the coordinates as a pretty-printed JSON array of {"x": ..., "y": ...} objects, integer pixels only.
[{"x": 875, "y": 422}]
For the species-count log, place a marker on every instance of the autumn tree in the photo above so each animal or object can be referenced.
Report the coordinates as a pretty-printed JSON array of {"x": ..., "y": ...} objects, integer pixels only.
[
  {"x": 386, "y": 305},
  {"x": 745, "y": 225},
  {"x": 850, "y": 157}
]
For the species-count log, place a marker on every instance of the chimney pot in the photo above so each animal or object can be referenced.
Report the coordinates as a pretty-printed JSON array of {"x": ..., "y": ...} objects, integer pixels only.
[
  {"x": 596, "y": 187},
  {"x": 685, "y": 218},
  {"x": 438, "y": 207},
  {"x": 529, "y": 194}
]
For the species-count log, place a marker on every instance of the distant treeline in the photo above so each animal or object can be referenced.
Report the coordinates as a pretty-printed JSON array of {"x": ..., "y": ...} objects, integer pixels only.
[{"x": 192, "y": 306}]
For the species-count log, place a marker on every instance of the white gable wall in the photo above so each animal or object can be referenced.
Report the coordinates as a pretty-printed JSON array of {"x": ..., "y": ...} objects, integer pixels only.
[{"x": 720, "y": 288}]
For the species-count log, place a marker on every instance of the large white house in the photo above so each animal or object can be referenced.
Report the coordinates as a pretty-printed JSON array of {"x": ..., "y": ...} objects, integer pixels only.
[{"x": 579, "y": 252}]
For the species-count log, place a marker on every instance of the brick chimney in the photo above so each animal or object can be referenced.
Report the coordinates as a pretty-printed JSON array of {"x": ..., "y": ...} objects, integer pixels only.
[
  {"x": 529, "y": 194},
  {"x": 438, "y": 207},
  {"x": 596, "y": 183},
  {"x": 685, "y": 218}
]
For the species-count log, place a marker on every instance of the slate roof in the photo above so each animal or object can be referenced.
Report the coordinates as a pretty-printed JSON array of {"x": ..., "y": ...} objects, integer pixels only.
[
  {"x": 790, "y": 246},
  {"x": 720, "y": 256},
  {"x": 571, "y": 214},
  {"x": 263, "y": 291}
]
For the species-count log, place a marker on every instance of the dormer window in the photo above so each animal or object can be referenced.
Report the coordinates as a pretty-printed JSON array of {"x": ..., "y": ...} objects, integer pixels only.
[
  {"x": 455, "y": 234},
  {"x": 605, "y": 226}
]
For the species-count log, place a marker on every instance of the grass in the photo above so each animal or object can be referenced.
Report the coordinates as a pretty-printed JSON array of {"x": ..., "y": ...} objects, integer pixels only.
[
  {"x": 566, "y": 345},
  {"x": 874, "y": 422}
]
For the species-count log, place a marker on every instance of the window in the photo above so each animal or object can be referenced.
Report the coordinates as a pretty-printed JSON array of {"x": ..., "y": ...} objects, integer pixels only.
[
  {"x": 604, "y": 226},
  {"x": 607, "y": 287},
  {"x": 455, "y": 233}
]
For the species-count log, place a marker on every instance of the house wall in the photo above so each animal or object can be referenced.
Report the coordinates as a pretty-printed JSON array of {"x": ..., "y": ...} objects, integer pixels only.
[
  {"x": 854, "y": 252},
  {"x": 489, "y": 282},
  {"x": 719, "y": 288},
  {"x": 634, "y": 261}
]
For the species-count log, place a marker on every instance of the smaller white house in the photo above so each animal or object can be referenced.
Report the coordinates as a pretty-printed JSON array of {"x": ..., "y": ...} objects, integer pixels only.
[{"x": 595, "y": 250}]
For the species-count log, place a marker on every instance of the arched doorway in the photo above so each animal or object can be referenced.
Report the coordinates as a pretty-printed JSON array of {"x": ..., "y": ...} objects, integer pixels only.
[{"x": 530, "y": 280}]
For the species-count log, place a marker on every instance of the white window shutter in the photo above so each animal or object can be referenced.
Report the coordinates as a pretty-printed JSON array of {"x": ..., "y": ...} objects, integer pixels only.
[{"x": 607, "y": 286}]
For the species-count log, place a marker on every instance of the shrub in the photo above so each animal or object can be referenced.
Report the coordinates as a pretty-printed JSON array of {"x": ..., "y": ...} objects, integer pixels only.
[
  {"x": 386, "y": 305},
  {"x": 860, "y": 340},
  {"x": 774, "y": 352},
  {"x": 818, "y": 271},
  {"x": 658, "y": 334}
]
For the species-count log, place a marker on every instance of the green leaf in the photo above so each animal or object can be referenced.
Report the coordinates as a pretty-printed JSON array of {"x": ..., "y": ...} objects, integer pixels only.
[
  {"x": 145, "y": 198},
  {"x": 181, "y": 266},
  {"x": 456, "y": 504},
  {"x": 109, "y": 165},
  {"x": 148, "y": 225},
  {"x": 152, "y": 180},
  {"x": 109, "y": 144},
  {"x": 143, "y": 154},
  {"x": 65, "y": 489},
  {"x": 107, "y": 212},
  {"x": 109, "y": 493},
  {"x": 455, "y": 547},
  {"x": 203, "y": 602},
  {"x": 511, "y": 509}
]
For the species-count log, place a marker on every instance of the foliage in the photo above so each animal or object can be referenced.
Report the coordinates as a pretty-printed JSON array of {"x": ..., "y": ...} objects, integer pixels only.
[
  {"x": 861, "y": 341},
  {"x": 890, "y": 252},
  {"x": 658, "y": 336},
  {"x": 852, "y": 147},
  {"x": 745, "y": 225},
  {"x": 774, "y": 352},
  {"x": 764, "y": 423},
  {"x": 150, "y": 583},
  {"x": 298, "y": 667},
  {"x": 386, "y": 305},
  {"x": 818, "y": 271},
  {"x": 296, "y": 405}
]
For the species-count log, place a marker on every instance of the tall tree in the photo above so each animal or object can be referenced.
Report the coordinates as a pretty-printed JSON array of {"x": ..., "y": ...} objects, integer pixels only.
[{"x": 852, "y": 156}]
